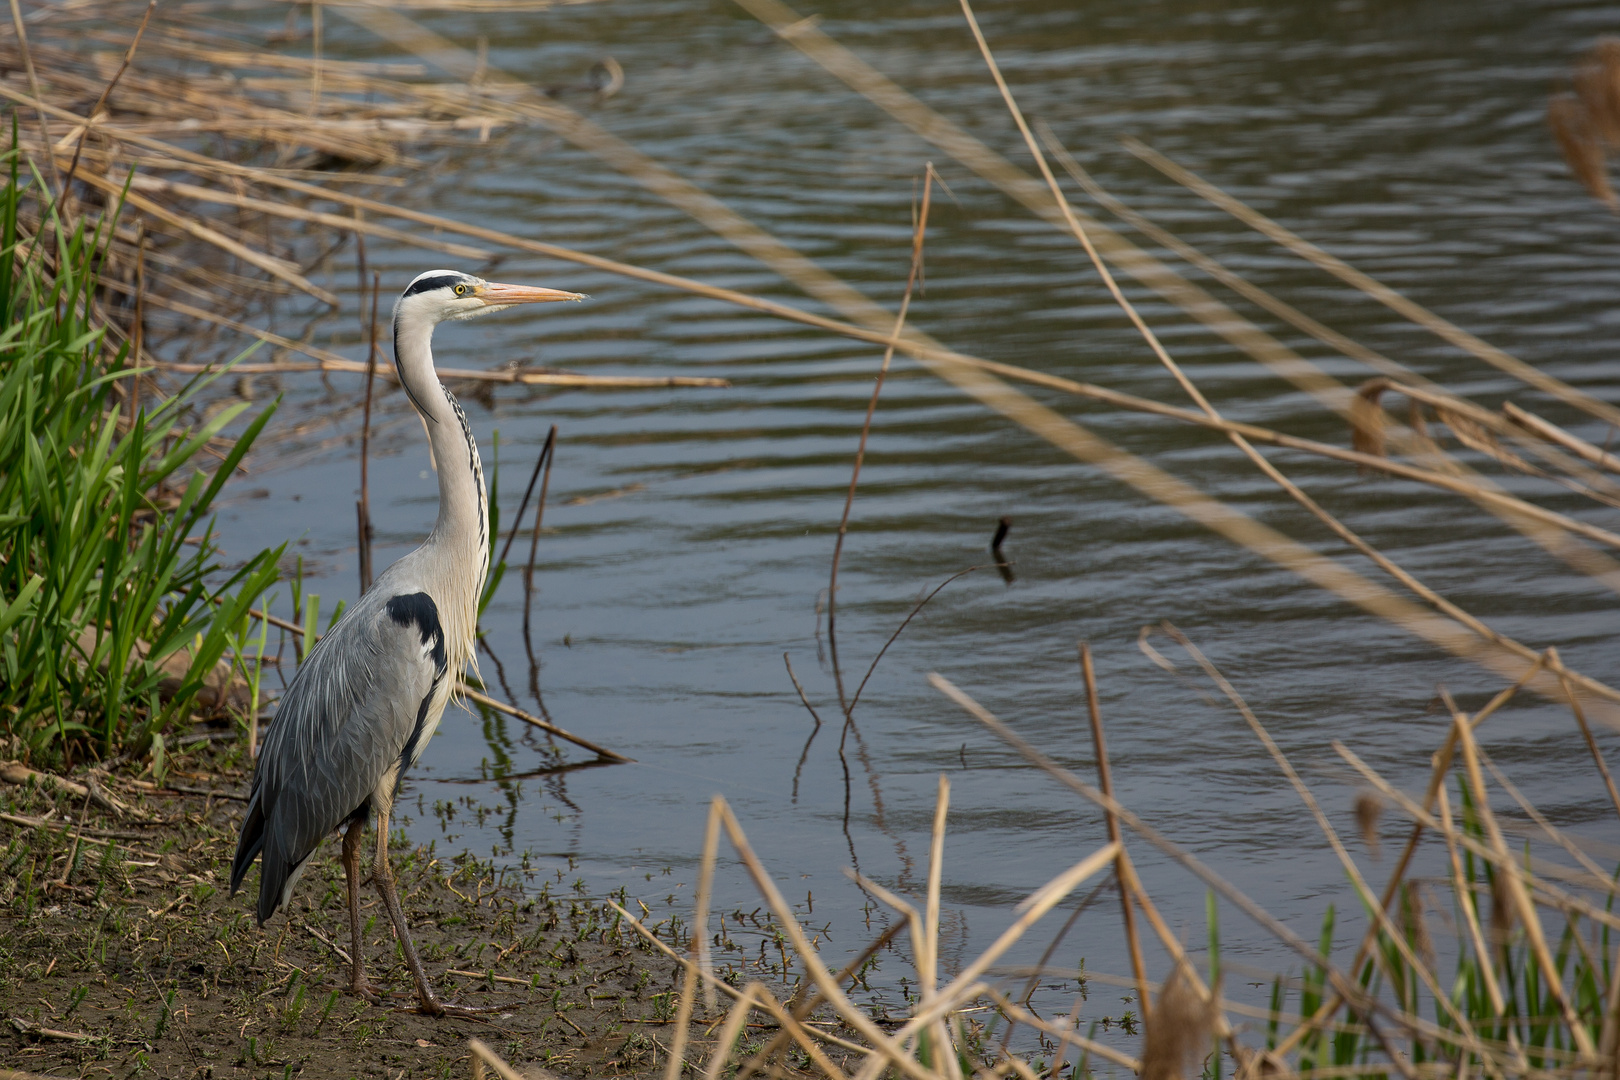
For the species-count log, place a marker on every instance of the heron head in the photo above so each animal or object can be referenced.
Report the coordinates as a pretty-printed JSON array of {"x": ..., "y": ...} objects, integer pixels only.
[{"x": 441, "y": 295}]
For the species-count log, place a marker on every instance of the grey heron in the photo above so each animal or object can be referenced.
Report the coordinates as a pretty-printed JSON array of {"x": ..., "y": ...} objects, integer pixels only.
[{"x": 369, "y": 695}]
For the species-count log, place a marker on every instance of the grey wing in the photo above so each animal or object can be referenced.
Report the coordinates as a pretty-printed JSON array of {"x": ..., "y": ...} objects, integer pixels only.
[{"x": 356, "y": 709}]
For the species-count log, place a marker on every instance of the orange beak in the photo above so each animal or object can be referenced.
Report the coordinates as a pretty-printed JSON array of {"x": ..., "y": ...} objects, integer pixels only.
[{"x": 496, "y": 293}]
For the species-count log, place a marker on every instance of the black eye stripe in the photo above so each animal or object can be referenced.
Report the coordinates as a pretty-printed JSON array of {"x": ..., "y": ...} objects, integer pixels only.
[{"x": 428, "y": 284}]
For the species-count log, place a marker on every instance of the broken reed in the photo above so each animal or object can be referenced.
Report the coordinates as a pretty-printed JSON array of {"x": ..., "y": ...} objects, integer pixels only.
[{"x": 114, "y": 607}]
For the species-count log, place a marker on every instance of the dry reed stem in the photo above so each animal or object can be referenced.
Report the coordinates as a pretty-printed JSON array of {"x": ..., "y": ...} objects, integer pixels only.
[
  {"x": 799, "y": 1034},
  {"x": 1591, "y": 744},
  {"x": 332, "y": 363},
  {"x": 129, "y": 55},
  {"x": 499, "y": 706},
  {"x": 968, "y": 982},
  {"x": 1347, "y": 989},
  {"x": 1394, "y": 934},
  {"x": 534, "y": 537},
  {"x": 1122, "y": 870},
  {"x": 803, "y": 1007},
  {"x": 1545, "y": 429},
  {"x": 1465, "y": 900},
  {"x": 1550, "y": 895},
  {"x": 735, "y": 1019},
  {"x": 919, "y": 230},
  {"x": 1597, "y": 565},
  {"x": 1548, "y": 829},
  {"x": 730, "y": 991},
  {"x": 683, "y": 1013},
  {"x": 1403, "y": 306},
  {"x": 928, "y": 963},
  {"x": 885, "y": 1047},
  {"x": 33, "y": 85},
  {"x": 1527, "y": 431},
  {"x": 1520, "y": 897},
  {"x": 482, "y": 1055},
  {"x": 338, "y": 222},
  {"x": 528, "y": 492},
  {"x": 270, "y": 264}
]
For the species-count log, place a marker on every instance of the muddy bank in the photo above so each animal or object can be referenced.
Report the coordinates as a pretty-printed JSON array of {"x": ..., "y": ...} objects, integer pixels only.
[{"x": 122, "y": 955}]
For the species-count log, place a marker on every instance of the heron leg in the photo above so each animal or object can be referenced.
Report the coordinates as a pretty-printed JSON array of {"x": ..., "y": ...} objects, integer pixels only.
[
  {"x": 358, "y": 983},
  {"x": 383, "y": 872}
]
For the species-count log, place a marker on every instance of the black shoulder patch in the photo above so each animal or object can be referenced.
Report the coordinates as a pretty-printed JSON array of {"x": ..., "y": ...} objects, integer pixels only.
[
  {"x": 419, "y": 608},
  {"x": 435, "y": 281}
]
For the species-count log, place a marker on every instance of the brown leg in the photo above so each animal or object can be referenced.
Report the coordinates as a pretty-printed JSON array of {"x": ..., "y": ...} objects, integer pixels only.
[
  {"x": 358, "y": 983},
  {"x": 384, "y": 874}
]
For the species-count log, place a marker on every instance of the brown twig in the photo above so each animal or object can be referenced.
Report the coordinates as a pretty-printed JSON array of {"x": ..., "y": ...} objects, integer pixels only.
[
  {"x": 1586, "y": 733},
  {"x": 1105, "y": 782},
  {"x": 528, "y": 492},
  {"x": 534, "y": 721},
  {"x": 539, "y": 515},
  {"x": 90, "y": 117},
  {"x": 897, "y": 631},
  {"x": 912, "y": 276}
]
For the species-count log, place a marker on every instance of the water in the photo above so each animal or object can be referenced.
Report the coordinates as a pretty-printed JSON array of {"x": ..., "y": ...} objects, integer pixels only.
[{"x": 689, "y": 532}]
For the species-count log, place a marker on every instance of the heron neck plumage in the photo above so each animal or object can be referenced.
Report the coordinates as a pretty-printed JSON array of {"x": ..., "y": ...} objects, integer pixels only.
[{"x": 458, "y": 546}]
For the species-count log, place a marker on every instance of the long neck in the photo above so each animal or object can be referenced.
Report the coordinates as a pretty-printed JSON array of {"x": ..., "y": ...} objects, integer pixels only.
[{"x": 459, "y": 543}]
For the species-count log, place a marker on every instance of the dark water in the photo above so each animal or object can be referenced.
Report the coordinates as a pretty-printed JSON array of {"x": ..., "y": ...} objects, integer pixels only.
[{"x": 1407, "y": 138}]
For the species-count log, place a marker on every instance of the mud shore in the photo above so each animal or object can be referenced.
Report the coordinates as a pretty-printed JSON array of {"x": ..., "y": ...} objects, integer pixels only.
[{"x": 122, "y": 955}]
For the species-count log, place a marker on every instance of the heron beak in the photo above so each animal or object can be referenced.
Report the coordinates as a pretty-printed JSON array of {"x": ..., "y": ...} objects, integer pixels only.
[{"x": 494, "y": 293}]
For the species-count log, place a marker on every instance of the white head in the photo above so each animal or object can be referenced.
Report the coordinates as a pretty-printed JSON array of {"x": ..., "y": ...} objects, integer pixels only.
[
  {"x": 441, "y": 295},
  {"x": 435, "y": 297}
]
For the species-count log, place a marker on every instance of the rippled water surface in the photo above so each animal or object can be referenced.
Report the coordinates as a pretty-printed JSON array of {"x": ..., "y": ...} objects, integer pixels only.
[{"x": 689, "y": 531}]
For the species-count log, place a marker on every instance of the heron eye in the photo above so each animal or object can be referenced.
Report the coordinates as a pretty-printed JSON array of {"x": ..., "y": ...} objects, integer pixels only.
[{"x": 461, "y": 290}]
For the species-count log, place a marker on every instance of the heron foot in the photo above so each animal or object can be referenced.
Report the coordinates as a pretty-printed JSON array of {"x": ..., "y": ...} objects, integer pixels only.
[
  {"x": 432, "y": 1006},
  {"x": 363, "y": 988}
]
